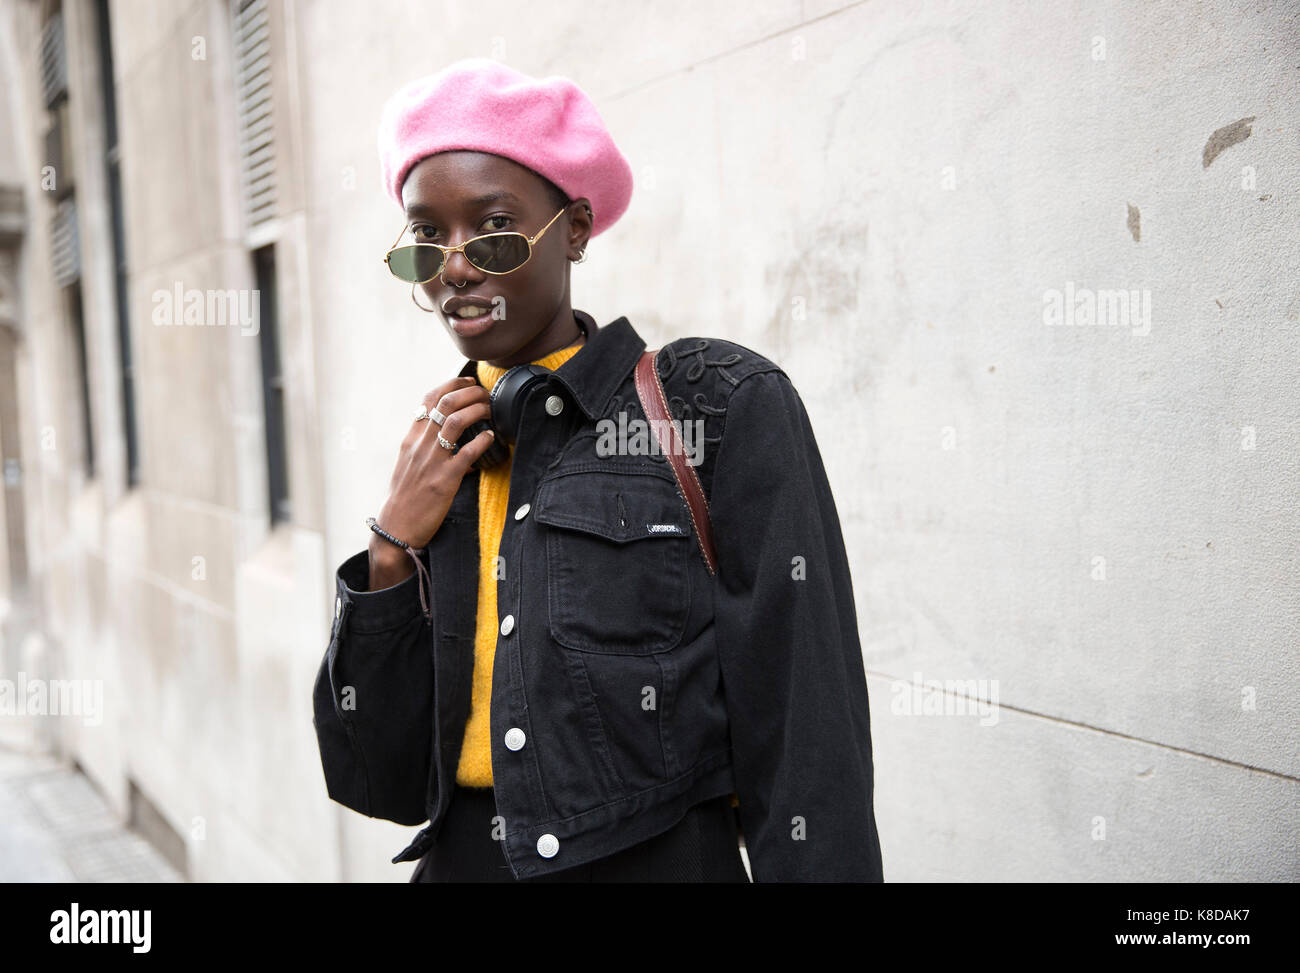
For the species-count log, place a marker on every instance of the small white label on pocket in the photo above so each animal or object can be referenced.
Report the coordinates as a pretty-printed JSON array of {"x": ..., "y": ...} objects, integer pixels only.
[{"x": 664, "y": 528}]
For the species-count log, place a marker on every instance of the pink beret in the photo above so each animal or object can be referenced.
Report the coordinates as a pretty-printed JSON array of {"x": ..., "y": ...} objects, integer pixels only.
[{"x": 548, "y": 125}]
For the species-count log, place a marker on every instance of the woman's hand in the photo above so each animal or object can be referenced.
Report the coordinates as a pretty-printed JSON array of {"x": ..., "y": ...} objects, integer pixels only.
[{"x": 427, "y": 476}]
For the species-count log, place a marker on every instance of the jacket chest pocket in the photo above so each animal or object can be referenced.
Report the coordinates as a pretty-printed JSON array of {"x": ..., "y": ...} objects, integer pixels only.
[{"x": 616, "y": 547}]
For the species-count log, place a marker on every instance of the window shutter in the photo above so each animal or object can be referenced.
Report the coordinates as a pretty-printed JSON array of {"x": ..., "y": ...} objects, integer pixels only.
[
  {"x": 54, "y": 60},
  {"x": 66, "y": 254},
  {"x": 253, "y": 105}
]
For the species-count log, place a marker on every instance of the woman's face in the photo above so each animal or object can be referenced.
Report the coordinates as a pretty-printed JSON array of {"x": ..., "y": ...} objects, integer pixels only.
[{"x": 452, "y": 196}]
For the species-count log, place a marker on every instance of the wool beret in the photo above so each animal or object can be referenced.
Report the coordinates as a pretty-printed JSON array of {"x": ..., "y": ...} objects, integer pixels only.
[{"x": 547, "y": 124}]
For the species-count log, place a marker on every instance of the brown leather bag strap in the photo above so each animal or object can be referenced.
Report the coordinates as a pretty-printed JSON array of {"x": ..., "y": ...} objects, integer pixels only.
[{"x": 655, "y": 406}]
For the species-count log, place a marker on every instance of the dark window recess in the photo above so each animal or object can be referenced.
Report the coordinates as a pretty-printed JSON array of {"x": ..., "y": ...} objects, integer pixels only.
[
  {"x": 125, "y": 362},
  {"x": 277, "y": 477},
  {"x": 65, "y": 180},
  {"x": 72, "y": 297}
]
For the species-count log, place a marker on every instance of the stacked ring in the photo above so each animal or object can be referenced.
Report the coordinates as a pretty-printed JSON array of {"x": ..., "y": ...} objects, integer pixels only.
[{"x": 422, "y": 413}]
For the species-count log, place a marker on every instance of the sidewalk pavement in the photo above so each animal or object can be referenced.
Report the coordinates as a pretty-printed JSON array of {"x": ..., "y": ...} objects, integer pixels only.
[{"x": 56, "y": 827}]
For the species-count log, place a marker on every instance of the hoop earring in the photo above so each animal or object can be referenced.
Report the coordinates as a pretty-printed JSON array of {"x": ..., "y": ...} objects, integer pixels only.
[
  {"x": 426, "y": 310},
  {"x": 582, "y": 255}
]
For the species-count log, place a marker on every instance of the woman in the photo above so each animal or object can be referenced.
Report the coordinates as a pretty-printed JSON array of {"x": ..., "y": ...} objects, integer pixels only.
[{"x": 544, "y": 657}]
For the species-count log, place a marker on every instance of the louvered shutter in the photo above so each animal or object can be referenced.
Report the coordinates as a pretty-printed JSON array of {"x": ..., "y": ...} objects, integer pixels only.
[
  {"x": 253, "y": 104},
  {"x": 66, "y": 253},
  {"x": 54, "y": 60}
]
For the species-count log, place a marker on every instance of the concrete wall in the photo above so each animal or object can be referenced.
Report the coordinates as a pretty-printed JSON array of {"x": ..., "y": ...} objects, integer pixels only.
[{"x": 1093, "y": 523}]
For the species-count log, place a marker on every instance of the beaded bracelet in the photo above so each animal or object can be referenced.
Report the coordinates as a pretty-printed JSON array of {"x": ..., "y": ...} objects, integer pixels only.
[
  {"x": 374, "y": 525},
  {"x": 415, "y": 553}
]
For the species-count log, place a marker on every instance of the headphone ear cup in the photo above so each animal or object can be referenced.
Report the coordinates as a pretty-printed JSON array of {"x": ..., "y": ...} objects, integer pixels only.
[{"x": 509, "y": 394}]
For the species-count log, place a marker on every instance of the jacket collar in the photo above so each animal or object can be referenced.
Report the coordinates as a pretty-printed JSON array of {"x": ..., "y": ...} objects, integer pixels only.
[{"x": 606, "y": 359}]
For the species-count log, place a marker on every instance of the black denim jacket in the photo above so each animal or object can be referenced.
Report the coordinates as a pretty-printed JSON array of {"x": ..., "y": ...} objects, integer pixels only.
[{"x": 628, "y": 682}]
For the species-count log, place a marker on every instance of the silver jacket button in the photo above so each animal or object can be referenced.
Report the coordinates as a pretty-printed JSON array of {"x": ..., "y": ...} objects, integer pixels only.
[
  {"x": 507, "y": 624},
  {"x": 554, "y": 405},
  {"x": 548, "y": 845},
  {"x": 514, "y": 738},
  {"x": 522, "y": 512}
]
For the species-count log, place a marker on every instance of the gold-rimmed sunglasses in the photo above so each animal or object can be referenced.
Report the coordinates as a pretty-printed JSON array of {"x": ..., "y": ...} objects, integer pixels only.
[{"x": 492, "y": 253}]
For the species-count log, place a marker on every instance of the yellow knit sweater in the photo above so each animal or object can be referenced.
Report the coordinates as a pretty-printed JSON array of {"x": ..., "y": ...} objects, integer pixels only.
[{"x": 475, "y": 767}]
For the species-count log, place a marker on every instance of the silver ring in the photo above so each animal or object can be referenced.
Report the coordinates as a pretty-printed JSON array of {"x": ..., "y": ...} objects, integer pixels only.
[
  {"x": 446, "y": 445},
  {"x": 420, "y": 414},
  {"x": 437, "y": 417}
]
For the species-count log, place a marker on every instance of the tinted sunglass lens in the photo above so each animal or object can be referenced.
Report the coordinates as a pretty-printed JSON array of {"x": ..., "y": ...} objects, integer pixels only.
[
  {"x": 498, "y": 254},
  {"x": 415, "y": 263}
]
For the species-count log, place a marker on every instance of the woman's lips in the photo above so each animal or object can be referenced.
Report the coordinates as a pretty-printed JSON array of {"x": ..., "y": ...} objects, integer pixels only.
[{"x": 470, "y": 327}]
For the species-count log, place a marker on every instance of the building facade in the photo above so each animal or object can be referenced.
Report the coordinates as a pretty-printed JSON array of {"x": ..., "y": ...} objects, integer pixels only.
[{"x": 1084, "y": 533}]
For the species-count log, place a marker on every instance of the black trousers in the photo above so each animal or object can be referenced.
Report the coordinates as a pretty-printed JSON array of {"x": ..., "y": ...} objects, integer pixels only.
[{"x": 702, "y": 847}]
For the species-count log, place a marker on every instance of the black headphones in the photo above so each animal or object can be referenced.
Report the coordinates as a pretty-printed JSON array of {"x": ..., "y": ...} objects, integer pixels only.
[{"x": 507, "y": 399}]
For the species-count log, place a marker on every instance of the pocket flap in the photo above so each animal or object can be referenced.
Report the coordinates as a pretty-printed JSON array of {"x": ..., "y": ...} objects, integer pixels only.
[{"x": 619, "y": 505}]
